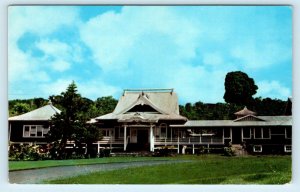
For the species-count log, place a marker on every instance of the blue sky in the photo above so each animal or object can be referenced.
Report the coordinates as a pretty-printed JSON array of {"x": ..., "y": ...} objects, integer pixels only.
[{"x": 106, "y": 49}]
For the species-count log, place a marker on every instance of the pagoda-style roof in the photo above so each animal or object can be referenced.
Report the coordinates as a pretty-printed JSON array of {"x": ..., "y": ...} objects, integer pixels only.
[
  {"x": 145, "y": 105},
  {"x": 41, "y": 114},
  {"x": 244, "y": 112}
]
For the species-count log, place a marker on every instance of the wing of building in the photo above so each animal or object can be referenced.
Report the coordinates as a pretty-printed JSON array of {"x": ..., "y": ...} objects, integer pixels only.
[
  {"x": 149, "y": 119},
  {"x": 31, "y": 127}
]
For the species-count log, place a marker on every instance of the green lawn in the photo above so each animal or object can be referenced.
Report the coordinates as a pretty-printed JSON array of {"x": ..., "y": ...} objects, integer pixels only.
[
  {"x": 19, "y": 165},
  {"x": 207, "y": 169}
]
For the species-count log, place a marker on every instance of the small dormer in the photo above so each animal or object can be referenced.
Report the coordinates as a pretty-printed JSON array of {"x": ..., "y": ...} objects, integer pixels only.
[
  {"x": 246, "y": 115},
  {"x": 244, "y": 112}
]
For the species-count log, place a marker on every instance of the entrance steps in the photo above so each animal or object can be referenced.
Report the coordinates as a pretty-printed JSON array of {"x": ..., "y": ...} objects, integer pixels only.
[{"x": 238, "y": 150}]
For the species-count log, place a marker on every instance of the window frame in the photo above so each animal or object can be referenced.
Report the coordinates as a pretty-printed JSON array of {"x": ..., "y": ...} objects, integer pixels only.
[
  {"x": 286, "y": 135},
  {"x": 163, "y": 126},
  {"x": 260, "y": 129},
  {"x": 285, "y": 148},
  {"x": 107, "y": 131},
  {"x": 33, "y": 131},
  {"x": 258, "y": 151},
  {"x": 250, "y": 134},
  {"x": 229, "y": 129}
]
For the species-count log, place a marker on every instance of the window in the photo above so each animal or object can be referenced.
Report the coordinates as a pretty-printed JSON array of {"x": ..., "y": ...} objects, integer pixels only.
[
  {"x": 262, "y": 133},
  {"x": 246, "y": 133},
  {"x": 106, "y": 133},
  {"x": 163, "y": 130},
  {"x": 288, "y": 148},
  {"x": 257, "y": 133},
  {"x": 257, "y": 148},
  {"x": 26, "y": 131},
  {"x": 288, "y": 133},
  {"x": 266, "y": 133},
  {"x": 121, "y": 132},
  {"x": 227, "y": 133},
  {"x": 35, "y": 130}
]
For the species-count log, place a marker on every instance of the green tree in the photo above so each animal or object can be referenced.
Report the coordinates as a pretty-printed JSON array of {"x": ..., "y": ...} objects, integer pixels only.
[
  {"x": 239, "y": 88},
  {"x": 71, "y": 123},
  {"x": 20, "y": 108},
  {"x": 101, "y": 106}
]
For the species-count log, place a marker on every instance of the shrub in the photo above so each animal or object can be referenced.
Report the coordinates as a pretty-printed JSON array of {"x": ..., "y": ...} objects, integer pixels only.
[
  {"x": 164, "y": 152},
  {"x": 228, "y": 151},
  {"x": 104, "y": 153},
  {"x": 26, "y": 153}
]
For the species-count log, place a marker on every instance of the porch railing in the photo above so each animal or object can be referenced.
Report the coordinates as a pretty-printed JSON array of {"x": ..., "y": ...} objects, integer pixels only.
[
  {"x": 111, "y": 140},
  {"x": 190, "y": 140}
]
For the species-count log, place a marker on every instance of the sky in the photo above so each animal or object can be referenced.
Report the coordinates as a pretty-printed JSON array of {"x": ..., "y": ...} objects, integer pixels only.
[{"x": 106, "y": 49}]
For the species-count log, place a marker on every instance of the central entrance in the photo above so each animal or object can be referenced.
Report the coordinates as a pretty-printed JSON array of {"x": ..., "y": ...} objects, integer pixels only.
[
  {"x": 143, "y": 139},
  {"x": 236, "y": 135}
]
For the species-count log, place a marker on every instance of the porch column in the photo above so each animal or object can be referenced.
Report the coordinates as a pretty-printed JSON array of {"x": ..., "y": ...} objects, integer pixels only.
[
  {"x": 151, "y": 138},
  {"x": 98, "y": 149},
  {"x": 125, "y": 137},
  {"x": 193, "y": 149},
  {"x": 178, "y": 143},
  {"x": 9, "y": 132}
]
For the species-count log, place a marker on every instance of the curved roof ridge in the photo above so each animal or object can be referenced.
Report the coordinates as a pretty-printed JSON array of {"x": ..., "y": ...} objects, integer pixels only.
[
  {"x": 245, "y": 112},
  {"x": 142, "y": 98}
]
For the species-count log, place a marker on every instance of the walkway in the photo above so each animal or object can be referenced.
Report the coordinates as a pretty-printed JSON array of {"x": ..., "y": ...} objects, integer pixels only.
[{"x": 36, "y": 176}]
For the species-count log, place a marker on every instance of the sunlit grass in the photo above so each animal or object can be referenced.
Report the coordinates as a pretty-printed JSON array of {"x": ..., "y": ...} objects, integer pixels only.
[
  {"x": 20, "y": 165},
  {"x": 204, "y": 170}
]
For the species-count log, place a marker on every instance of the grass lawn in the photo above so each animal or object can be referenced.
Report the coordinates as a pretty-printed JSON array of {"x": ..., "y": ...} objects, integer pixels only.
[
  {"x": 19, "y": 165},
  {"x": 207, "y": 169}
]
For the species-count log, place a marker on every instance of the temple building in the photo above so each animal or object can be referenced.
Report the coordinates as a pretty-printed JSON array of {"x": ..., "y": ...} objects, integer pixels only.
[{"x": 149, "y": 119}]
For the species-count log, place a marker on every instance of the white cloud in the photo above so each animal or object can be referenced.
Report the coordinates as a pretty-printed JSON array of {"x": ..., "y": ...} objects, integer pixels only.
[
  {"x": 55, "y": 87},
  {"x": 274, "y": 88},
  {"x": 261, "y": 54},
  {"x": 54, "y": 48},
  {"x": 115, "y": 42},
  {"x": 96, "y": 88},
  {"x": 60, "y": 65},
  {"x": 40, "y": 21},
  {"x": 188, "y": 48},
  {"x": 196, "y": 83},
  {"x": 90, "y": 89}
]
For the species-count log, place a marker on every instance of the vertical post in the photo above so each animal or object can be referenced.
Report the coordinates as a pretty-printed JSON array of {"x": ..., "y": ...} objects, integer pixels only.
[
  {"x": 125, "y": 137},
  {"x": 223, "y": 135},
  {"x": 171, "y": 134},
  {"x": 178, "y": 144},
  {"x": 151, "y": 138},
  {"x": 193, "y": 149},
  {"x": 9, "y": 132},
  {"x": 98, "y": 149},
  {"x": 110, "y": 142}
]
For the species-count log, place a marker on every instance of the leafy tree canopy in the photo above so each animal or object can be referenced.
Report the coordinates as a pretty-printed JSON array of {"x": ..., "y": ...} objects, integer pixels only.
[{"x": 239, "y": 88}]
